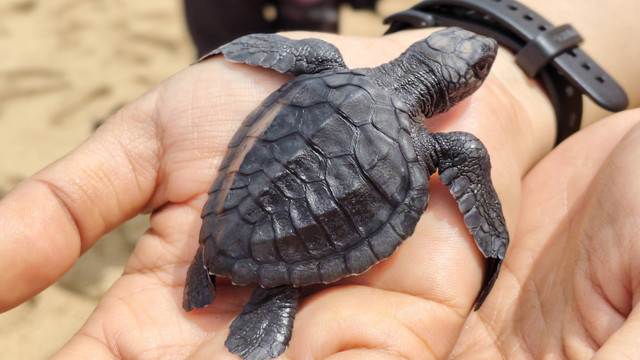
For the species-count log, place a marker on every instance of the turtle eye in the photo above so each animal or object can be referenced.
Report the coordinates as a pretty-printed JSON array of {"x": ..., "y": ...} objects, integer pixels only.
[{"x": 481, "y": 68}]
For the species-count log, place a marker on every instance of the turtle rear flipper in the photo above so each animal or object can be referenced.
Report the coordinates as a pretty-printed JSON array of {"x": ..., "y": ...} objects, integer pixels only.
[
  {"x": 263, "y": 330},
  {"x": 272, "y": 51},
  {"x": 200, "y": 287},
  {"x": 464, "y": 167}
]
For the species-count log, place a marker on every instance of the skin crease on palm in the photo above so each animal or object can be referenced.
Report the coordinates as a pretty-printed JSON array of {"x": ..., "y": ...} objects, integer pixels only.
[{"x": 568, "y": 286}]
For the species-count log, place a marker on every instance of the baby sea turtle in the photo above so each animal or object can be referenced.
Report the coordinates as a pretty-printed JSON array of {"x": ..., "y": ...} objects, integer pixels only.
[{"x": 330, "y": 174}]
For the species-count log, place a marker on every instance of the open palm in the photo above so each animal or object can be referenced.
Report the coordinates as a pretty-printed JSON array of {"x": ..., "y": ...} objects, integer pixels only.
[
  {"x": 571, "y": 283},
  {"x": 161, "y": 153}
]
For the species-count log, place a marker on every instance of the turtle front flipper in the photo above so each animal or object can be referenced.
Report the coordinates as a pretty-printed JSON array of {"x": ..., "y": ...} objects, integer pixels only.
[
  {"x": 464, "y": 167},
  {"x": 272, "y": 51},
  {"x": 263, "y": 330}
]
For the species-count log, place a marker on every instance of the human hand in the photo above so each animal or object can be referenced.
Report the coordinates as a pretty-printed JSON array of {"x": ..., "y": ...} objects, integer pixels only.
[
  {"x": 570, "y": 284},
  {"x": 160, "y": 153}
]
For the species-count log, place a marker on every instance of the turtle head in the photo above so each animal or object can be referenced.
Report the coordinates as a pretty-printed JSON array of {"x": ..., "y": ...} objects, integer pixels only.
[{"x": 453, "y": 63}]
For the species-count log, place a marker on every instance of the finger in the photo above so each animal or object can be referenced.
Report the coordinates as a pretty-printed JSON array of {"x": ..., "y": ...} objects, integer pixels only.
[
  {"x": 533, "y": 280},
  {"x": 139, "y": 317},
  {"x": 142, "y": 313},
  {"x": 333, "y": 321},
  {"x": 573, "y": 166},
  {"x": 623, "y": 344},
  {"x": 606, "y": 282},
  {"x": 52, "y": 217},
  {"x": 369, "y": 354}
]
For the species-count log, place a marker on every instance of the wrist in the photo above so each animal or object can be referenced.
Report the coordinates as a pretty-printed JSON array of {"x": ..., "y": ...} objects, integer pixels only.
[{"x": 608, "y": 32}]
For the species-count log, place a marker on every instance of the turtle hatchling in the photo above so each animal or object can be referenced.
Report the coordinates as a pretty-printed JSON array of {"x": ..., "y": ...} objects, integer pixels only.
[{"x": 330, "y": 174}]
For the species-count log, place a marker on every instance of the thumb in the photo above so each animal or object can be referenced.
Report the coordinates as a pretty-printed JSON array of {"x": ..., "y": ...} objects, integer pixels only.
[{"x": 51, "y": 218}]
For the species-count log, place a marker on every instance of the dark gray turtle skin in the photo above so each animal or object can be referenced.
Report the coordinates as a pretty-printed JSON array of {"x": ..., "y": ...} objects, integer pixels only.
[{"x": 330, "y": 174}]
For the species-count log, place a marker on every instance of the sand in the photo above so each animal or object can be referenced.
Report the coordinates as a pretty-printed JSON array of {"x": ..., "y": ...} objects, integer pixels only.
[{"x": 66, "y": 65}]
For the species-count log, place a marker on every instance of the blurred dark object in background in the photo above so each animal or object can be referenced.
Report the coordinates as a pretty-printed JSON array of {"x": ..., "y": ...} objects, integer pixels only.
[{"x": 216, "y": 22}]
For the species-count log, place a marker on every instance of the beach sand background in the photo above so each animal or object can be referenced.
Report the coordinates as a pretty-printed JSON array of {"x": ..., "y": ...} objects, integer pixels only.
[{"x": 65, "y": 66}]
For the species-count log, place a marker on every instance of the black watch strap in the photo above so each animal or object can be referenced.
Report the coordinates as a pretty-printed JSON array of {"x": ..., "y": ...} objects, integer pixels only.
[{"x": 550, "y": 54}]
